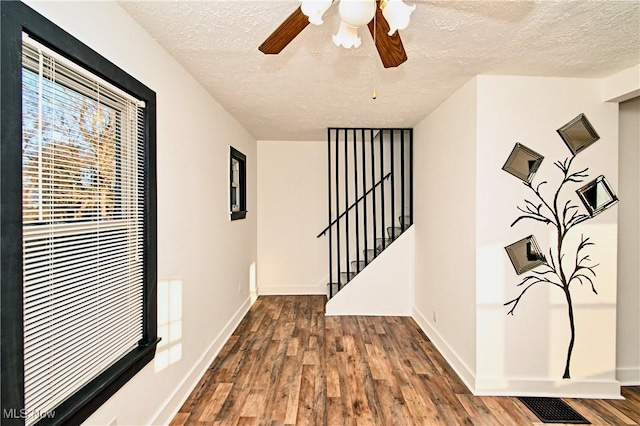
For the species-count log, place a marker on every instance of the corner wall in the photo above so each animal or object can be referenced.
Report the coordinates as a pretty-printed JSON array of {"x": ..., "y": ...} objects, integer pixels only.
[
  {"x": 292, "y": 210},
  {"x": 445, "y": 229},
  {"x": 204, "y": 260},
  {"x": 628, "y": 335}
]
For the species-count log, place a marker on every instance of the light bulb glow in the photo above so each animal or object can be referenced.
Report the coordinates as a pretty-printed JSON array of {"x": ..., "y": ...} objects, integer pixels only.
[
  {"x": 357, "y": 12},
  {"x": 347, "y": 36},
  {"x": 397, "y": 14},
  {"x": 314, "y": 9}
]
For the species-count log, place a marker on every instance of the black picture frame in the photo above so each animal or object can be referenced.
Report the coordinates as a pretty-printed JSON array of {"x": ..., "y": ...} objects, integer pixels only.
[
  {"x": 237, "y": 184},
  {"x": 597, "y": 195},
  {"x": 578, "y": 134}
]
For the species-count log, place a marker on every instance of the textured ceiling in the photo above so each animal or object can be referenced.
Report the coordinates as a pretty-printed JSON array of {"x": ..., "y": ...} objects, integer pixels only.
[{"x": 313, "y": 84}]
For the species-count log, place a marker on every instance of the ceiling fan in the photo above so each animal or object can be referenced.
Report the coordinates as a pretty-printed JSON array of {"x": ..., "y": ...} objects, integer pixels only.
[{"x": 377, "y": 14}]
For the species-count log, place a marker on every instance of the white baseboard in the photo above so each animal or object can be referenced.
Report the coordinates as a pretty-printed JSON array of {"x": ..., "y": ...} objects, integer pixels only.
[
  {"x": 628, "y": 376},
  {"x": 292, "y": 290},
  {"x": 561, "y": 388},
  {"x": 179, "y": 396},
  {"x": 487, "y": 386},
  {"x": 459, "y": 366}
]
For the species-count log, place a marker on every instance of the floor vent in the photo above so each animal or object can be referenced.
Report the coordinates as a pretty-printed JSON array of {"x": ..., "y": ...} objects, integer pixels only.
[{"x": 553, "y": 410}]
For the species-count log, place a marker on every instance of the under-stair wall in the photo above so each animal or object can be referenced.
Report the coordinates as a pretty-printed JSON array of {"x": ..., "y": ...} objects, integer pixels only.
[{"x": 370, "y": 197}]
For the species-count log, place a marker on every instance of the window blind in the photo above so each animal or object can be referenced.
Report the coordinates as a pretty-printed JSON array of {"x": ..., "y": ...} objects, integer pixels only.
[{"x": 83, "y": 200}]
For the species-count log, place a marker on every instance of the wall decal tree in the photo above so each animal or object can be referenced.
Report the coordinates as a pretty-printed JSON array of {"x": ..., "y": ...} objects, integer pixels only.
[{"x": 555, "y": 270}]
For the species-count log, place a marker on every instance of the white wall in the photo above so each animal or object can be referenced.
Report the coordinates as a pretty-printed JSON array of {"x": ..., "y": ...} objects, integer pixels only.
[
  {"x": 525, "y": 353},
  {"x": 203, "y": 258},
  {"x": 384, "y": 287},
  {"x": 628, "y": 336},
  {"x": 292, "y": 210},
  {"x": 445, "y": 228}
]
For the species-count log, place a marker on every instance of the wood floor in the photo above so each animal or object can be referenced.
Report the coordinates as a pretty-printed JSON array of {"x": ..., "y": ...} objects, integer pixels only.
[{"x": 286, "y": 364}]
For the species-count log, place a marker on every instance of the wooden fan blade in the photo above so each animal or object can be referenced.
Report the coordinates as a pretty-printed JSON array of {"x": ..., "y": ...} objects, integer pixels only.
[
  {"x": 287, "y": 31},
  {"x": 390, "y": 48}
]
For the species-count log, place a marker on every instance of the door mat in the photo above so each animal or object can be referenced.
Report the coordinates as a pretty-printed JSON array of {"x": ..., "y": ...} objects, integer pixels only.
[{"x": 553, "y": 410}]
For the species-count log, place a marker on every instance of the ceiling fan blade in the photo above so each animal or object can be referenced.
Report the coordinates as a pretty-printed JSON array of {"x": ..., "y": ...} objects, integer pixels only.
[
  {"x": 390, "y": 48},
  {"x": 287, "y": 31}
]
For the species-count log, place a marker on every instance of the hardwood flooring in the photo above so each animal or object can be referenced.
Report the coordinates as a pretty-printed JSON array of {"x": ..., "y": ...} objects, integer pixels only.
[{"x": 288, "y": 364}]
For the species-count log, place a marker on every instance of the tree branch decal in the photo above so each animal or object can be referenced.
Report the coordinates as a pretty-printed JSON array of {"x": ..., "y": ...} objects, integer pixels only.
[{"x": 554, "y": 271}]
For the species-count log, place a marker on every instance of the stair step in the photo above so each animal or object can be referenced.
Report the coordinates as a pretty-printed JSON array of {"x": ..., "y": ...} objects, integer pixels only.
[
  {"x": 394, "y": 232},
  {"x": 370, "y": 254},
  {"x": 345, "y": 277},
  {"x": 333, "y": 288},
  {"x": 382, "y": 243},
  {"x": 405, "y": 221},
  {"x": 358, "y": 266}
]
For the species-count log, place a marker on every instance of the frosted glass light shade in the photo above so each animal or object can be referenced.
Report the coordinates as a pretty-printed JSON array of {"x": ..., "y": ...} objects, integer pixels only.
[
  {"x": 357, "y": 12},
  {"x": 347, "y": 36},
  {"x": 397, "y": 14},
  {"x": 314, "y": 9}
]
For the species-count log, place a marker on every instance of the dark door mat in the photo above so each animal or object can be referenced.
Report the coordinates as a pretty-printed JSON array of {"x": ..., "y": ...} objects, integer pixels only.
[{"x": 553, "y": 410}]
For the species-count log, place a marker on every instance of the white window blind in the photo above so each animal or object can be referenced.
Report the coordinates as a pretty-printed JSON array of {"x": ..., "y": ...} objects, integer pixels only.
[{"x": 83, "y": 199}]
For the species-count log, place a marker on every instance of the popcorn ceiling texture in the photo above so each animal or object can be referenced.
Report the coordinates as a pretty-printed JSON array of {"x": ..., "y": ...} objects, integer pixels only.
[{"x": 312, "y": 84}]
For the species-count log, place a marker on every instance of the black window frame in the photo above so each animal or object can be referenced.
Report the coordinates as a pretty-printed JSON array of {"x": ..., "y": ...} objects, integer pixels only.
[
  {"x": 16, "y": 18},
  {"x": 234, "y": 154}
]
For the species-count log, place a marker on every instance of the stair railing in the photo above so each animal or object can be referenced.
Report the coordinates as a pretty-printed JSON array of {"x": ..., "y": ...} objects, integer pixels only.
[
  {"x": 344, "y": 213},
  {"x": 375, "y": 157}
]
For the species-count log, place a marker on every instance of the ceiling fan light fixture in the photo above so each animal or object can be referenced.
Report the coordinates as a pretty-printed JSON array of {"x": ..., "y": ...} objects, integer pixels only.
[
  {"x": 397, "y": 14},
  {"x": 347, "y": 36},
  {"x": 357, "y": 12},
  {"x": 314, "y": 9}
]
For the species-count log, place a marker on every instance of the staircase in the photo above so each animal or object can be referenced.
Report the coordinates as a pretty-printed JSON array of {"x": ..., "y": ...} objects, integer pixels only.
[{"x": 370, "y": 189}]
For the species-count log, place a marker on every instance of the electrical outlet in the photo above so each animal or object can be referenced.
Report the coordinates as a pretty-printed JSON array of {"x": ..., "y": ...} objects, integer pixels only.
[
  {"x": 435, "y": 316},
  {"x": 240, "y": 287}
]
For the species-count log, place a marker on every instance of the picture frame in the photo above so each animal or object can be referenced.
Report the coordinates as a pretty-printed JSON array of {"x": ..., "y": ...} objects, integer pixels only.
[
  {"x": 578, "y": 134},
  {"x": 597, "y": 195},
  {"x": 523, "y": 162},
  {"x": 525, "y": 254},
  {"x": 237, "y": 184}
]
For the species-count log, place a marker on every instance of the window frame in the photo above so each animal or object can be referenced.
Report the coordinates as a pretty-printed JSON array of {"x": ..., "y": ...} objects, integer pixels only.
[
  {"x": 16, "y": 18},
  {"x": 241, "y": 195}
]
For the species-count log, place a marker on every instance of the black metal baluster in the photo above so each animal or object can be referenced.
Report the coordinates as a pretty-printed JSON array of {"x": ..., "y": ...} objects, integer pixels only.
[
  {"x": 373, "y": 179},
  {"x": 338, "y": 206},
  {"x": 355, "y": 194},
  {"x": 330, "y": 203},
  {"x": 382, "y": 187},
  {"x": 402, "y": 185},
  {"x": 393, "y": 187},
  {"x": 411, "y": 176},
  {"x": 364, "y": 201},
  {"x": 346, "y": 202}
]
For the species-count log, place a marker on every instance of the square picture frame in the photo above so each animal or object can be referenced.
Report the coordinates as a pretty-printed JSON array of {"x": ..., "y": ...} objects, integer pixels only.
[
  {"x": 525, "y": 254},
  {"x": 597, "y": 196},
  {"x": 578, "y": 134},
  {"x": 523, "y": 162}
]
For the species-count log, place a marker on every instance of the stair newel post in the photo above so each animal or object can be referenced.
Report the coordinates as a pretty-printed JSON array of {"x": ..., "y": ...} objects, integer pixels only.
[
  {"x": 373, "y": 179},
  {"x": 381, "y": 134},
  {"x": 402, "y": 186},
  {"x": 364, "y": 188},
  {"x": 355, "y": 196},
  {"x": 347, "y": 235},
  {"x": 337, "y": 197},
  {"x": 393, "y": 186}
]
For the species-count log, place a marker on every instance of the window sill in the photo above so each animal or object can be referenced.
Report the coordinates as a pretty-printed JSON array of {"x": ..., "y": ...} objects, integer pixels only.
[{"x": 238, "y": 215}]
